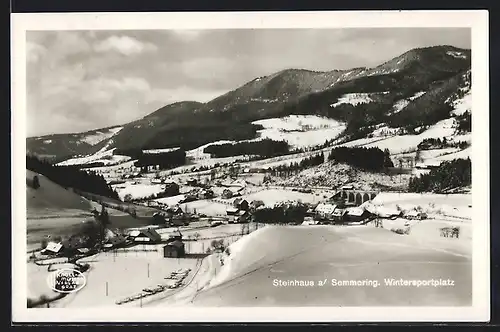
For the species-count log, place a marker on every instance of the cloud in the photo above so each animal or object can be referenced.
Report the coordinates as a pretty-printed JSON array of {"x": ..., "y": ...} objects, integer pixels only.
[
  {"x": 124, "y": 45},
  {"x": 34, "y": 52},
  {"x": 82, "y": 80}
]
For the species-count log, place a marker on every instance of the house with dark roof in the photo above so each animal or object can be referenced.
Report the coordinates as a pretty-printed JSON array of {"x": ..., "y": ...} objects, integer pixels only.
[
  {"x": 53, "y": 248},
  {"x": 175, "y": 249},
  {"x": 148, "y": 235}
]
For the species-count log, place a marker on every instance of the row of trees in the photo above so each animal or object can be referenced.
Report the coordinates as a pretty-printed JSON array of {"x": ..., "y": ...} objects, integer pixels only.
[
  {"x": 264, "y": 148},
  {"x": 296, "y": 167},
  {"x": 370, "y": 159},
  {"x": 72, "y": 177},
  {"x": 281, "y": 214},
  {"x": 464, "y": 122},
  {"x": 438, "y": 143},
  {"x": 449, "y": 175},
  {"x": 165, "y": 160}
]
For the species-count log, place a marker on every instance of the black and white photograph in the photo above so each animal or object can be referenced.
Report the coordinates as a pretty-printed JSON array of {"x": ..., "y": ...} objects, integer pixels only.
[{"x": 311, "y": 166}]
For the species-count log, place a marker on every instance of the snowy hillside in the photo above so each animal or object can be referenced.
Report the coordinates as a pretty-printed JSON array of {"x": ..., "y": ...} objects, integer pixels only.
[
  {"x": 353, "y": 99},
  {"x": 104, "y": 156},
  {"x": 300, "y": 130},
  {"x": 100, "y": 136}
]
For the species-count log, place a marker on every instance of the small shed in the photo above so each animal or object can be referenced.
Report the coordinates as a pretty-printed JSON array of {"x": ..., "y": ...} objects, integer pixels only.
[
  {"x": 175, "y": 249},
  {"x": 53, "y": 248},
  {"x": 232, "y": 211}
]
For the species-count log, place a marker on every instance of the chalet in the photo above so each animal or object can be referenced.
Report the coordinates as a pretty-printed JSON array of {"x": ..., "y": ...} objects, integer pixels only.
[
  {"x": 192, "y": 182},
  {"x": 174, "y": 210},
  {"x": 356, "y": 214},
  {"x": 232, "y": 211},
  {"x": 241, "y": 204},
  {"x": 205, "y": 194},
  {"x": 338, "y": 215},
  {"x": 145, "y": 236},
  {"x": 243, "y": 217},
  {"x": 325, "y": 210},
  {"x": 174, "y": 249},
  {"x": 53, "y": 248}
]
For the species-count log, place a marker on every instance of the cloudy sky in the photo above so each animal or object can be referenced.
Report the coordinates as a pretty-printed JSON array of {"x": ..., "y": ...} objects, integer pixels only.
[{"x": 82, "y": 80}]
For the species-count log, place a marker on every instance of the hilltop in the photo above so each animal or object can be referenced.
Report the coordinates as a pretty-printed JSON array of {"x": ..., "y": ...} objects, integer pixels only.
[{"x": 417, "y": 88}]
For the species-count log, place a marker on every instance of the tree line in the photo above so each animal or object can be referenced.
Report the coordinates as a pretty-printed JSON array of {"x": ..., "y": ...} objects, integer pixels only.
[
  {"x": 264, "y": 148},
  {"x": 72, "y": 177},
  {"x": 464, "y": 122},
  {"x": 438, "y": 143},
  {"x": 281, "y": 214},
  {"x": 296, "y": 167},
  {"x": 449, "y": 175},
  {"x": 369, "y": 159},
  {"x": 166, "y": 160}
]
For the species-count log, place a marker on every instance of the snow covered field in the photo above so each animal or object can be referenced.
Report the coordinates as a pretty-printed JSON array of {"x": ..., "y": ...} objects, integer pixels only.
[
  {"x": 438, "y": 205},
  {"x": 300, "y": 130},
  {"x": 462, "y": 105},
  {"x": 103, "y": 156},
  {"x": 353, "y": 99},
  {"x": 273, "y": 196},
  {"x": 125, "y": 273},
  {"x": 272, "y": 253},
  {"x": 399, "y": 144},
  {"x": 137, "y": 191},
  {"x": 100, "y": 136}
]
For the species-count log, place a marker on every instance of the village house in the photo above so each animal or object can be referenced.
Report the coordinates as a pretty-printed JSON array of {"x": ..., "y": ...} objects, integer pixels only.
[
  {"x": 356, "y": 214},
  {"x": 241, "y": 204},
  {"x": 174, "y": 236},
  {"x": 145, "y": 236},
  {"x": 192, "y": 182},
  {"x": 232, "y": 211},
  {"x": 325, "y": 210},
  {"x": 175, "y": 249},
  {"x": 243, "y": 216},
  {"x": 53, "y": 248}
]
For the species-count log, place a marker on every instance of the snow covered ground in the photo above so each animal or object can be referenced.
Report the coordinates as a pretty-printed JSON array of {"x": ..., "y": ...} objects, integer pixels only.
[
  {"x": 125, "y": 273},
  {"x": 140, "y": 190},
  {"x": 103, "y": 156},
  {"x": 155, "y": 151},
  {"x": 300, "y": 130},
  {"x": 273, "y": 196},
  {"x": 438, "y": 205},
  {"x": 462, "y": 105},
  {"x": 198, "y": 154},
  {"x": 401, "y": 104},
  {"x": 100, "y": 136},
  {"x": 403, "y": 143},
  {"x": 353, "y": 99}
]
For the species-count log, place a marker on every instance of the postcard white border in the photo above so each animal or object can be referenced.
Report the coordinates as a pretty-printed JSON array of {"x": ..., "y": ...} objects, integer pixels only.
[{"x": 477, "y": 20}]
